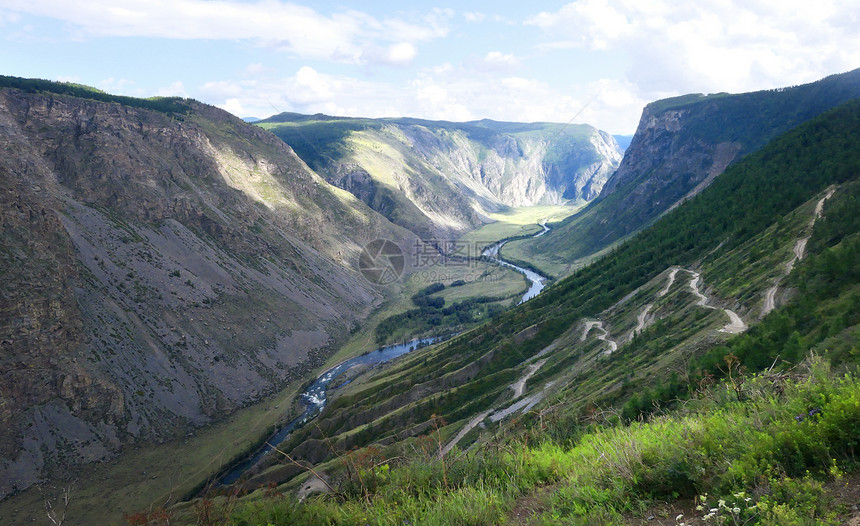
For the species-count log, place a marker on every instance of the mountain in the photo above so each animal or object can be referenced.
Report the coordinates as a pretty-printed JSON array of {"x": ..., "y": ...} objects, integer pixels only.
[
  {"x": 681, "y": 145},
  {"x": 163, "y": 264},
  {"x": 539, "y": 407},
  {"x": 440, "y": 179}
]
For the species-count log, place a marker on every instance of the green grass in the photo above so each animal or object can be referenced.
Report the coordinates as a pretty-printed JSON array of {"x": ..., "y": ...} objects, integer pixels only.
[
  {"x": 495, "y": 281},
  {"x": 716, "y": 449},
  {"x": 514, "y": 222},
  {"x": 490, "y": 233},
  {"x": 517, "y": 222}
]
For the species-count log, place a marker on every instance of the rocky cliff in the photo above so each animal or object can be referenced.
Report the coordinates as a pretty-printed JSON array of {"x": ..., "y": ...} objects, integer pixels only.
[
  {"x": 159, "y": 270},
  {"x": 680, "y": 146},
  {"x": 439, "y": 179}
]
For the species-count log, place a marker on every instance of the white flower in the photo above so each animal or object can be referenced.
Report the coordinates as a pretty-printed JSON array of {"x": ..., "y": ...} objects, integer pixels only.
[
  {"x": 736, "y": 510},
  {"x": 679, "y": 517}
]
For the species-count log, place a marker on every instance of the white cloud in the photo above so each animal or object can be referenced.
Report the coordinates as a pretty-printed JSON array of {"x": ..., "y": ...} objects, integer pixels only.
[
  {"x": 474, "y": 17},
  {"x": 343, "y": 36},
  {"x": 497, "y": 57},
  {"x": 257, "y": 69},
  {"x": 442, "y": 93},
  {"x": 114, "y": 85},
  {"x": 235, "y": 107},
  {"x": 9, "y": 18},
  {"x": 712, "y": 45},
  {"x": 400, "y": 54},
  {"x": 175, "y": 89},
  {"x": 494, "y": 62}
]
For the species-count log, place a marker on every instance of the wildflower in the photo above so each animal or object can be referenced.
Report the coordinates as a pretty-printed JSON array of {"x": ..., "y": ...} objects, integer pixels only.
[
  {"x": 721, "y": 503},
  {"x": 799, "y": 418},
  {"x": 679, "y": 517},
  {"x": 736, "y": 510}
]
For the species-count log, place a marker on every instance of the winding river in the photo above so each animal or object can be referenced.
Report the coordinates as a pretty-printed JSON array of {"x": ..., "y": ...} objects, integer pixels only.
[
  {"x": 537, "y": 282},
  {"x": 314, "y": 397}
]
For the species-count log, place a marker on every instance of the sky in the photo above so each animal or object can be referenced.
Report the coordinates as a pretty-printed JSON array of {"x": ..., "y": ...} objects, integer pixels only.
[{"x": 589, "y": 61}]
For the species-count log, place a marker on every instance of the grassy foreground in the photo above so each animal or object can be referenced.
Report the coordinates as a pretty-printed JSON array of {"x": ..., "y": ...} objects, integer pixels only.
[{"x": 767, "y": 451}]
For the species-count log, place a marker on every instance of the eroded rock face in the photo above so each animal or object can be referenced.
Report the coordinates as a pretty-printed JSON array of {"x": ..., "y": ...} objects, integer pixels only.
[
  {"x": 663, "y": 166},
  {"x": 158, "y": 272}
]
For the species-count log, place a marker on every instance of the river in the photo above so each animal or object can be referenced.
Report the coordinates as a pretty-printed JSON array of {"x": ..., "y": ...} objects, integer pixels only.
[
  {"x": 314, "y": 397},
  {"x": 537, "y": 282}
]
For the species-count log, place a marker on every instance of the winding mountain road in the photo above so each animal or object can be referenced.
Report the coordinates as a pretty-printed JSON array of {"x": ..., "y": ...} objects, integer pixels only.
[
  {"x": 468, "y": 427},
  {"x": 735, "y": 326},
  {"x": 520, "y": 385},
  {"x": 495, "y": 415},
  {"x": 643, "y": 316},
  {"x": 640, "y": 322},
  {"x": 799, "y": 251},
  {"x": 670, "y": 282},
  {"x": 603, "y": 336}
]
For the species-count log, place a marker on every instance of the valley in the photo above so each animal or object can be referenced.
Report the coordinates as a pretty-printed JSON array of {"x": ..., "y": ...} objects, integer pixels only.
[{"x": 188, "y": 328}]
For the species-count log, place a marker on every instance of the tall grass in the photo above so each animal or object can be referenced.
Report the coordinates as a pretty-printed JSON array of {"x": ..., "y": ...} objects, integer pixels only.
[{"x": 765, "y": 458}]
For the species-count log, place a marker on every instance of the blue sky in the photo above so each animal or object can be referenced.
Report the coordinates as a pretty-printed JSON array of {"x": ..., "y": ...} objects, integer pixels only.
[{"x": 592, "y": 61}]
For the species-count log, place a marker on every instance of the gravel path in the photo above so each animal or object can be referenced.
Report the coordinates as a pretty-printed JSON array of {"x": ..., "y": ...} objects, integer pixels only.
[{"x": 799, "y": 251}]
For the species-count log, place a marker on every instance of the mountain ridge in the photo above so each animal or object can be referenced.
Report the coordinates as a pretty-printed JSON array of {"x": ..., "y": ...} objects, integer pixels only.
[
  {"x": 681, "y": 145},
  {"x": 440, "y": 178}
]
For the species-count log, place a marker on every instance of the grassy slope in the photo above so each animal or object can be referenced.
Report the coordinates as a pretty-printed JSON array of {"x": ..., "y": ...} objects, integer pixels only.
[
  {"x": 781, "y": 178},
  {"x": 754, "y": 455}
]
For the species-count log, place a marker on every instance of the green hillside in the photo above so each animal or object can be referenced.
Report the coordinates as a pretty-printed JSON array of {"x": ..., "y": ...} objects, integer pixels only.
[{"x": 645, "y": 400}]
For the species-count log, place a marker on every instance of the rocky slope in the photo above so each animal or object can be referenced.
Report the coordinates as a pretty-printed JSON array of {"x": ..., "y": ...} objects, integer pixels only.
[
  {"x": 439, "y": 178},
  {"x": 159, "y": 269},
  {"x": 680, "y": 146}
]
